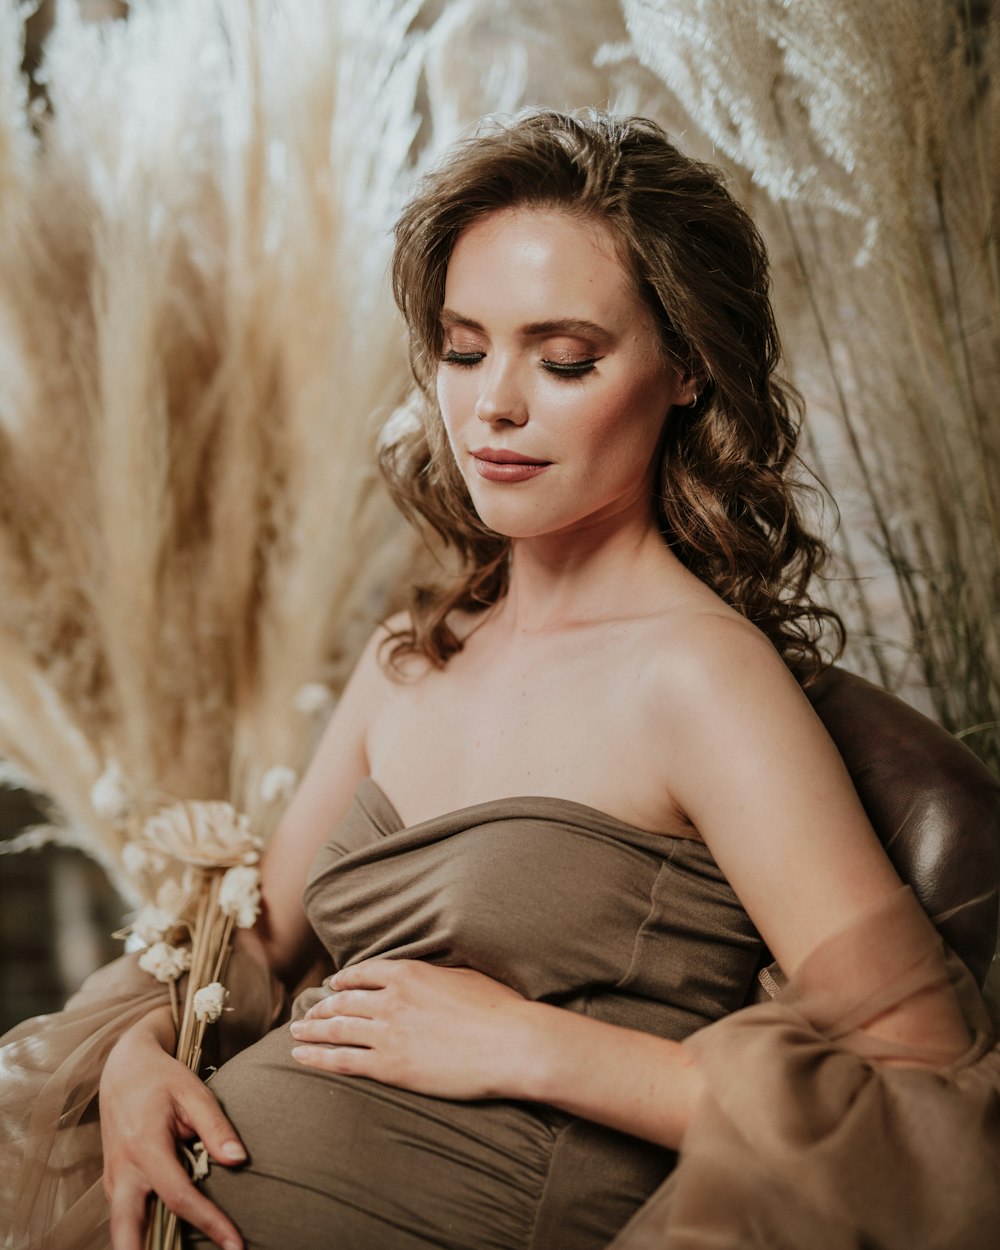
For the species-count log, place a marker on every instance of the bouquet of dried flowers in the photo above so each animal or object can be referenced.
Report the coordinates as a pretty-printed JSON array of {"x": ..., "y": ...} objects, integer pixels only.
[{"x": 188, "y": 928}]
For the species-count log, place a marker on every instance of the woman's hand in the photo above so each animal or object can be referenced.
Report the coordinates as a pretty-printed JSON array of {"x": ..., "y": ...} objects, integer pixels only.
[
  {"x": 448, "y": 1032},
  {"x": 149, "y": 1101}
]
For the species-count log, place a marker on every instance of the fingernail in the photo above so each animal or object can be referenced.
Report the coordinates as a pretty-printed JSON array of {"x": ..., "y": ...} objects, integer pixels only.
[
  {"x": 231, "y": 1245},
  {"x": 233, "y": 1150},
  {"x": 299, "y": 1051},
  {"x": 295, "y": 1028}
]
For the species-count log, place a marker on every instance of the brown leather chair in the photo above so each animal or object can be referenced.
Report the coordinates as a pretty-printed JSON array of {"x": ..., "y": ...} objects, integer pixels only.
[{"x": 934, "y": 805}]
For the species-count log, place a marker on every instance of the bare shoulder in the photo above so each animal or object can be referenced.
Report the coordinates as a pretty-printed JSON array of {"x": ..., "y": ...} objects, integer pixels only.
[
  {"x": 713, "y": 665},
  {"x": 724, "y": 702},
  {"x": 708, "y": 637}
]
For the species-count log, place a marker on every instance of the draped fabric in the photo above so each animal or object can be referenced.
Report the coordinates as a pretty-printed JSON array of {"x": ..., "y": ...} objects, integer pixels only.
[
  {"x": 813, "y": 1135},
  {"x": 564, "y": 903},
  {"x": 51, "y": 1196}
]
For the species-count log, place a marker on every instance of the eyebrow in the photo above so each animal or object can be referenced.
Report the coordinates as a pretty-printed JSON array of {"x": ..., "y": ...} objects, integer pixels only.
[{"x": 536, "y": 329}]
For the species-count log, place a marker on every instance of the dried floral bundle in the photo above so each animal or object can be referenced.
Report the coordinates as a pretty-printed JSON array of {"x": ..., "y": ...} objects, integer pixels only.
[{"x": 219, "y": 890}]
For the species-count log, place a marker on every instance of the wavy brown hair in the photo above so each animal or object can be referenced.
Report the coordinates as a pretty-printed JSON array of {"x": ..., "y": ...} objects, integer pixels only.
[{"x": 722, "y": 497}]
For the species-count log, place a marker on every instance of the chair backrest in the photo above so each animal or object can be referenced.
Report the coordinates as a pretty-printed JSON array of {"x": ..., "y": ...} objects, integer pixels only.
[{"x": 935, "y": 806}]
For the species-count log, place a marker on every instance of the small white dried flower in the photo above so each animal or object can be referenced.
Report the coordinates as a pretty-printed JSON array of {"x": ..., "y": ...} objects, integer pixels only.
[
  {"x": 198, "y": 1160},
  {"x": 210, "y": 1002},
  {"x": 135, "y": 859},
  {"x": 109, "y": 794},
  {"x": 206, "y": 834},
  {"x": 312, "y": 698},
  {"x": 239, "y": 895},
  {"x": 138, "y": 859},
  {"x": 165, "y": 962},
  {"x": 153, "y": 923},
  {"x": 278, "y": 783}
]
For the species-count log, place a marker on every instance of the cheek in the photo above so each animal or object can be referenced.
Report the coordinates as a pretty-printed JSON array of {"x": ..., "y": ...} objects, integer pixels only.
[
  {"x": 456, "y": 399},
  {"x": 651, "y": 404},
  {"x": 630, "y": 427},
  {"x": 446, "y": 405}
]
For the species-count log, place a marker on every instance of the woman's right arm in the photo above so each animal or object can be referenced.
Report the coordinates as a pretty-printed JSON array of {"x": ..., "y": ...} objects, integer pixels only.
[{"x": 149, "y": 1101}]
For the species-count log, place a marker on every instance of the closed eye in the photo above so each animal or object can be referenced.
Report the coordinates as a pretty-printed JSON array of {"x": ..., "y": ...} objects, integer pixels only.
[
  {"x": 569, "y": 369},
  {"x": 462, "y": 358}
]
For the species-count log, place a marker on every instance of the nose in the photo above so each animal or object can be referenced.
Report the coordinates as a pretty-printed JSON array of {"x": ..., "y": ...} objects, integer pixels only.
[{"x": 500, "y": 400}]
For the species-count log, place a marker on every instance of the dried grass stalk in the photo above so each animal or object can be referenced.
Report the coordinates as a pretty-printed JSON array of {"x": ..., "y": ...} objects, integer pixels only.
[
  {"x": 873, "y": 131},
  {"x": 195, "y": 333}
]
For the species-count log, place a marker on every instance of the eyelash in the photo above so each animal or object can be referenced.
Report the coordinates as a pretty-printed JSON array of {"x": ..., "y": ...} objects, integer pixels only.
[{"x": 575, "y": 369}]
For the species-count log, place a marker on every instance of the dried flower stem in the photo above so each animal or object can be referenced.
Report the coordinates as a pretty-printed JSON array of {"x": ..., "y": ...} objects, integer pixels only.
[
  {"x": 174, "y": 1006},
  {"x": 211, "y": 945}
]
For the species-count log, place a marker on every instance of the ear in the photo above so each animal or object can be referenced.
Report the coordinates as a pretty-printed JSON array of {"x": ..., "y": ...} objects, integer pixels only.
[{"x": 689, "y": 387}]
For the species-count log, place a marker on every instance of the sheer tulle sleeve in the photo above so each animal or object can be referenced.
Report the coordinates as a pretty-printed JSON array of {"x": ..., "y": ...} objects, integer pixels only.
[
  {"x": 807, "y": 1140},
  {"x": 50, "y": 1069}
]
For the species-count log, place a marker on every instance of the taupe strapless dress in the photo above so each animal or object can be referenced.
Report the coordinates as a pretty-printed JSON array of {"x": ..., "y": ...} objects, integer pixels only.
[{"x": 560, "y": 901}]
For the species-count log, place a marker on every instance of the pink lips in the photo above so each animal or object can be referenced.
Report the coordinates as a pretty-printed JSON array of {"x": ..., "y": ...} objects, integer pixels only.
[{"x": 499, "y": 465}]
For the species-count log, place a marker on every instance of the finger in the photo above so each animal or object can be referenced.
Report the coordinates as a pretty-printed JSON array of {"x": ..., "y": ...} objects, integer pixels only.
[
  {"x": 343, "y": 1060},
  {"x": 338, "y": 1031},
  {"x": 128, "y": 1213},
  {"x": 179, "y": 1195},
  {"x": 345, "y": 1003},
  {"x": 369, "y": 974},
  {"x": 199, "y": 1111}
]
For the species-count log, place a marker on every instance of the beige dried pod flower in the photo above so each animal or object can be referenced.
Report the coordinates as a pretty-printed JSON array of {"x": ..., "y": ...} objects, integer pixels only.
[{"x": 203, "y": 833}]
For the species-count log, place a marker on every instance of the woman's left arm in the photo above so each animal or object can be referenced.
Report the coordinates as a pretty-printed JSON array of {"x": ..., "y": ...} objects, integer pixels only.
[{"x": 759, "y": 777}]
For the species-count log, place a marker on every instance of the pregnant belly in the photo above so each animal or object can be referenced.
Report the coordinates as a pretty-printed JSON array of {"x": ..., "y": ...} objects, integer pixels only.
[{"x": 350, "y": 1164}]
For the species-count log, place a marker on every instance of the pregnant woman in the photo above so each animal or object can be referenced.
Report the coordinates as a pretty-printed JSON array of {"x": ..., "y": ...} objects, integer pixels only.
[{"x": 568, "y": 794}]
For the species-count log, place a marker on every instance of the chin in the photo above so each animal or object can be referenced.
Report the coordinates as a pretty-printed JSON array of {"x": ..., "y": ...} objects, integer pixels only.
[
  {"x": 515, "y": 523},
  {"x": 522, "y": 512}
]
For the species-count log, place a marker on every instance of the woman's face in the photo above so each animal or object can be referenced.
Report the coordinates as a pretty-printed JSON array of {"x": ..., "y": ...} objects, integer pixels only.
[{"x": 552, "y": 384}]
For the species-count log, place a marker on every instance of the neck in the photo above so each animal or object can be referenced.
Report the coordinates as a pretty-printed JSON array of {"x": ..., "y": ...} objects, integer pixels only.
[{"x": 599, "y": 571}]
